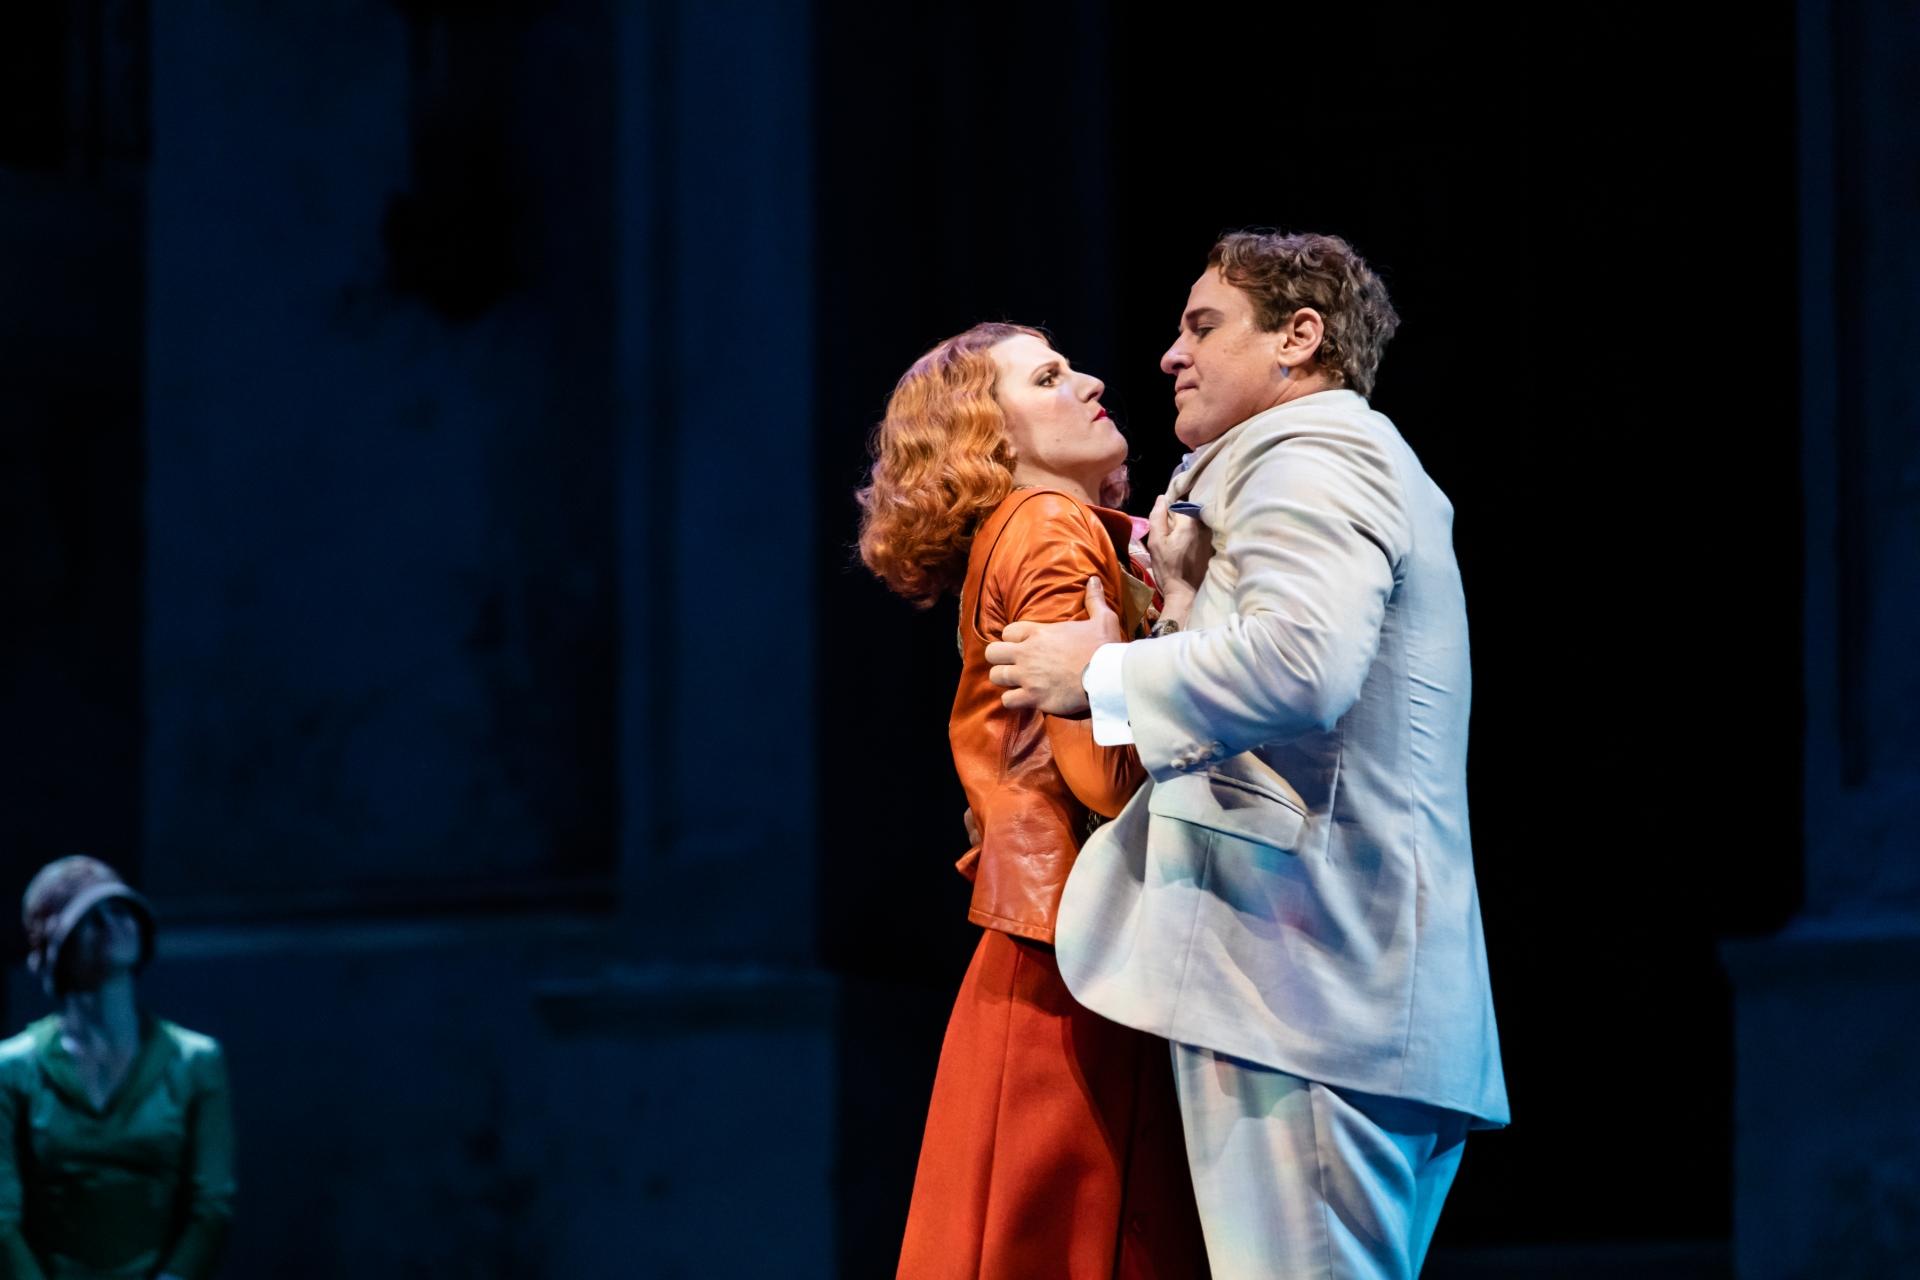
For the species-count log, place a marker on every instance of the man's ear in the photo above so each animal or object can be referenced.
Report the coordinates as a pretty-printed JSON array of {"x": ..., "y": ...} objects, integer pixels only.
[{"x": 1300, "y": 337}]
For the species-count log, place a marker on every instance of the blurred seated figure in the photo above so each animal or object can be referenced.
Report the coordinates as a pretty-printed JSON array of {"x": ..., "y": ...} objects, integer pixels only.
[{"x": 116, "y": 1137}]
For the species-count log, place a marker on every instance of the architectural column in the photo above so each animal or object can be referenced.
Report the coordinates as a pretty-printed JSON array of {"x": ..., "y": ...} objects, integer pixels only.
[
  {"x": 716, "y": 1008},
  {"x": 1827, "y": 1162},
  {"x": 714, "y": 378}
]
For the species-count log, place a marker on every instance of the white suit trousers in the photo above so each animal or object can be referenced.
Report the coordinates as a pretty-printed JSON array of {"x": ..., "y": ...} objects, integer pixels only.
[{"x": 1301, "y": 1181}]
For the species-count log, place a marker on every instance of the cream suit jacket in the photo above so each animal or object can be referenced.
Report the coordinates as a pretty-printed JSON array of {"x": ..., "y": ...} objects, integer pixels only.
[{"x": 1294, "y": 884}]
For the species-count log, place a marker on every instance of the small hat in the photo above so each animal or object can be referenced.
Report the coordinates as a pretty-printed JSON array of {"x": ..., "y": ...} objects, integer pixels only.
[{"x": 59, "y": 898}]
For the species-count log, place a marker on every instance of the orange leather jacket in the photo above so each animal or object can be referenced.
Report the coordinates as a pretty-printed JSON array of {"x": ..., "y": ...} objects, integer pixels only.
[{"x": 1032, "y": 780}]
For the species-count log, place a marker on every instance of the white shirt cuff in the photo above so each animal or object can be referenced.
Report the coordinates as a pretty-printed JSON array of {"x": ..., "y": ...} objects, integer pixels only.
[{"x": 1107, "y": 696}]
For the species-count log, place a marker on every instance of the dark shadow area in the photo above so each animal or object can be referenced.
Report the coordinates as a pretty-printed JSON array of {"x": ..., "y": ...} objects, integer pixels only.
[
  {"x": 428, "y": 435},
  {"x": 72, "y": 455},
  {"x": 1586, "y": 238}
]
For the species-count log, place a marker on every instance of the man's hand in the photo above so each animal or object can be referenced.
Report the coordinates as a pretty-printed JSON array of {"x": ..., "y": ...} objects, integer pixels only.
[
  {"x": 1181, "y": 547},
  {"x": 1040, "y": 663}
]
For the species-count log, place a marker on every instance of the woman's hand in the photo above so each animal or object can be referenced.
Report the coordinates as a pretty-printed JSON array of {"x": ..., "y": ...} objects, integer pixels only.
[{"x": 1181, "y": 547}]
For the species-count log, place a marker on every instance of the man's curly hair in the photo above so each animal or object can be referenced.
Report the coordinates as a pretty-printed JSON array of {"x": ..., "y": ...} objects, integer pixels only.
[{"x": 1284, "y": 273}]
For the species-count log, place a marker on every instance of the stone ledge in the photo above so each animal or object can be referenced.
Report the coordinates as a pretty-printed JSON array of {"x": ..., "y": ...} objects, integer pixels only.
[
  {"x": 670, "y": 999},
  {"x": 338, "y": 937},
  {"x": 1884, "y": 949}
]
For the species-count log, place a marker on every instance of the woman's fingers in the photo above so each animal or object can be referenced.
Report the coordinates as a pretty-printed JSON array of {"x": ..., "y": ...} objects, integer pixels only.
[
  {"x": 1159, "y": 524},
  {"x": 1096, "y": 600}
]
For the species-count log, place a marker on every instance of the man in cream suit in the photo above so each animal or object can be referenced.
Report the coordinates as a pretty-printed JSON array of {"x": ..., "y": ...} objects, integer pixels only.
[{"x": 1290, "y": 899}]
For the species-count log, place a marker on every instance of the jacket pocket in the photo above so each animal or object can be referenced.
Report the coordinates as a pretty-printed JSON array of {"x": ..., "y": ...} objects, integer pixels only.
[{"x": 1239, "y": 797}]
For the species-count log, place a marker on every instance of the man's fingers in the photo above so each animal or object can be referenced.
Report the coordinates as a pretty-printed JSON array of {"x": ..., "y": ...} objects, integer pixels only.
[
  {"x": 1002, "y": 654},
  {"x": 1159, "y": 523},
  {"x": 1019, "y": 699},
  {"x": 1016, "y": 632},
  {"x": 1005, "y": 677},
  {"x": 1096, "y": 599}
]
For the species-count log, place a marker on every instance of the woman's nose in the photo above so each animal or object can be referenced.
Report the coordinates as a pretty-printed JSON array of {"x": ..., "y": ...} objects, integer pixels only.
[
  {"x": 1095, "y": 388},
  {"x": 1173, "y": 360}
]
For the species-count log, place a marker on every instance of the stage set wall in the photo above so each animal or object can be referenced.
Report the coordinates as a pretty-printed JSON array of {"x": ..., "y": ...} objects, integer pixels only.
[
  {"x": 430, "y": 431},
  {"x": 1827, "y": 1146},
  {"x": 457, "y": 359}
]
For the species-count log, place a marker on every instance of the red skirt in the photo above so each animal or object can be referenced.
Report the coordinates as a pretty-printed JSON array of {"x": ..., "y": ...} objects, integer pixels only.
[{"x": 1053, "y": 1148}]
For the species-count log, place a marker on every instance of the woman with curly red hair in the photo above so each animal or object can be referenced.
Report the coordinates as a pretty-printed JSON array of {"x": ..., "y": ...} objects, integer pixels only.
[{"x": 1052, "y": 1144}]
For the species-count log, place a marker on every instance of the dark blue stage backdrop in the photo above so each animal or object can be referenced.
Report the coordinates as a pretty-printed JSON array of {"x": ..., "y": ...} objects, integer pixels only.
[{"x": 428, "y": 431}]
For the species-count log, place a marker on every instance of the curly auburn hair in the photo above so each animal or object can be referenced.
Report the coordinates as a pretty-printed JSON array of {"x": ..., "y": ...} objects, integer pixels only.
[
  {"x": 941, "y": 462},
  {"x": 1284, "y": 273}
]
